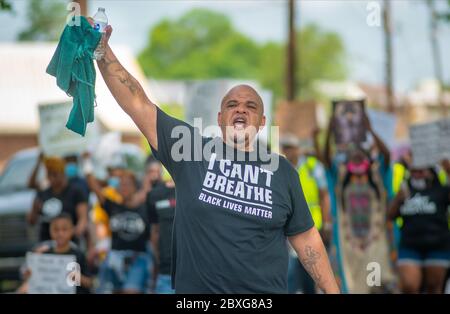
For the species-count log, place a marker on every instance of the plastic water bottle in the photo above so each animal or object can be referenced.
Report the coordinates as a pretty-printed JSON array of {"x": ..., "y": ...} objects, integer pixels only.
[{"x": 100, "y": 23}]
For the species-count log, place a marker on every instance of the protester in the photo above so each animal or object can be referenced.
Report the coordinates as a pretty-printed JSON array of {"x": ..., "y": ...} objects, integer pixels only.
[
  {"x": 360, "y": 190},
  {"x": 60, "y": 197},
  {"x": 424, "y": 251},
  {"x": 99, "y": 217},
  {"x": 226, "y": 249},
  {"x": 161, "y": 204},
  {"x": 72, "y": 172},
  {"x": 62, "y": 231},
  {"x": 313, "y": 180},
  {"x": 126, "y": 267}
]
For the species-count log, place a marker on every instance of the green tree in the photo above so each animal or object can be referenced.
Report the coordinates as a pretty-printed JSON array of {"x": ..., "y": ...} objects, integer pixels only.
[
  {"x": 204, "y": 45},
  {"x": 321, "y": 56},
  {"x": 200, "y": 45},
  {"x": 5, "y": 5},
  {"x": 46, "y": 20}
]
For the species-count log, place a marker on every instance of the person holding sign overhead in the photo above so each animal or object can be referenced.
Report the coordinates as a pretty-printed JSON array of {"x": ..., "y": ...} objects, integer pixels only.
[{"x": 360, "y": 190}]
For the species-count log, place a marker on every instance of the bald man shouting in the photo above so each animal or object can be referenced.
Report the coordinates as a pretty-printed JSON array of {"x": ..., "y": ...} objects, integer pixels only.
[{"x": 234, "y": 211}]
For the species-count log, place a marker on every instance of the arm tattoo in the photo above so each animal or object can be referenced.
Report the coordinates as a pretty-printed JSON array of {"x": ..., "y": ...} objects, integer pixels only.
[
  {"x": 115, "y": 69},
  {"x": 310, "y": 262}
]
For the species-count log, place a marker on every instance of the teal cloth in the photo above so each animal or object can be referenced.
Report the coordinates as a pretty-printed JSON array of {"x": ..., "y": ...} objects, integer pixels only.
[{"x": 72, "y": 65}]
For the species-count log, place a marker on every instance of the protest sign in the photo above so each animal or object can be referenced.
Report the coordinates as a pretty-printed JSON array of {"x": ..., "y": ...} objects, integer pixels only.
[
  {"x": 430, "y": 142},
  {"x": 51, "y": 273},
  {"x": 297, "y": 118},
  {"x": 349, "y": 123},
  {"x": 384, "y": 124},
  {"x": 54, "y": 138}
]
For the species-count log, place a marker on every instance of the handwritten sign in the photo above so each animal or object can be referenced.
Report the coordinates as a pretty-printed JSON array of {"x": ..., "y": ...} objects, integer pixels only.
[
  {"x": 430, "y": 142},
  {"x": 50, "y": 273},
  {"x": 55, "y": 139}
]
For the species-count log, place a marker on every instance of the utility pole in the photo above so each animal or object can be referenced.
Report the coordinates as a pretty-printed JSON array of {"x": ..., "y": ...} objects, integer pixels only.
[
  {"x": 437, "y": 60},
  {"x": 387, "y": 23},
  {"x": 290, "y": 64}
]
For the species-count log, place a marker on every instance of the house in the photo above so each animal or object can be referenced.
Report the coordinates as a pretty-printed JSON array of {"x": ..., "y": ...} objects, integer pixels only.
[{"x": 24, "y": 85}]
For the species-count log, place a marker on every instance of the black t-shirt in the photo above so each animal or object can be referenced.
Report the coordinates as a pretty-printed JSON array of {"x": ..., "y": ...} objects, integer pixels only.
[
  {"x": 130, "y": 227},
  {"x": 161, "y": 204},
  {"x": 233, "y": 213},
  {"x": 82, "y": 184},
  {"x": 79, "y": 258},
  {"x": 425, "y": 223},
  {"x": 55, "y": 204}
]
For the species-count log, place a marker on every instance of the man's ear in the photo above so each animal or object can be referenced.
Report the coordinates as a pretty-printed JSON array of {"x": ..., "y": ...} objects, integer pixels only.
[{"x": 218, "y": 118}]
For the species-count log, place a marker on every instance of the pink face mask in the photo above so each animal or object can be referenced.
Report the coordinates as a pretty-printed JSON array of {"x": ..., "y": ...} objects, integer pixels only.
[{"x": 358, "y": 168}]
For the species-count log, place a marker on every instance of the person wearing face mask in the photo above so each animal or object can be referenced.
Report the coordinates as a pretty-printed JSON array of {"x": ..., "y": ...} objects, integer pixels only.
[
  {"x": 59, "y": 197},
  {"x": 73, "y": 173},
  {"x": 424, "y": 250},
  {"x": 360, "y": 187},
  {"x": 152, "y": 178},
  {"x": 127, "y": 266},
  {"x": 99, "y": 218}
]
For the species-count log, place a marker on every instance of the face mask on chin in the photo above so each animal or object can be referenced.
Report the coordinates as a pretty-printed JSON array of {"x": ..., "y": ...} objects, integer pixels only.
[{"x": 114, "y": 182}]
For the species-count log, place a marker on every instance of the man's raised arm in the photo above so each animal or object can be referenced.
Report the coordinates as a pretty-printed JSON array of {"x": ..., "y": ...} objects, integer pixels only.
[{"x": 128, "y": 92}]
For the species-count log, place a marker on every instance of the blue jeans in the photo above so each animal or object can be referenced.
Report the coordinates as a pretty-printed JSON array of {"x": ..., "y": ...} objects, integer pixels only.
[
  {"x": 124, "y": 270},
  {"x": 164, "y": 285},
  {"x": 424, "y": 257}
]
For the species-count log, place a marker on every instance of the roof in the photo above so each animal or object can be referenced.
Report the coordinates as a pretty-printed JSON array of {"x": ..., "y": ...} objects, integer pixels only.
[{"x": 24, "y": 84}]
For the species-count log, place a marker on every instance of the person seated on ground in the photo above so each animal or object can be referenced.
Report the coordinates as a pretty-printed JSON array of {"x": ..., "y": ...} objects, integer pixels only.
[{"x": 62, "y": 231}]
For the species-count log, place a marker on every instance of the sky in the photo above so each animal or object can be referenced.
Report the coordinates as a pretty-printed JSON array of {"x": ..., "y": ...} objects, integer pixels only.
[{"x": 266, "y": 20}]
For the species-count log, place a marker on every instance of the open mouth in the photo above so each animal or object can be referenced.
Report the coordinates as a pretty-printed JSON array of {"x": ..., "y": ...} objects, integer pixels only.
[{"x": 240, "y": 122}]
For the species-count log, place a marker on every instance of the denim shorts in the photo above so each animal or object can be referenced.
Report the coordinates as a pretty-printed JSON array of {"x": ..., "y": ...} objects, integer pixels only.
[
  {"x": 124, "y": 270},
  {"x": 164, "y": 285},
  {"x": 424, "y": 257}
]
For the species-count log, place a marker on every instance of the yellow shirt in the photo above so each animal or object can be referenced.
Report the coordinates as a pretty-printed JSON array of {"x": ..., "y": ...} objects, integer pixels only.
[{"x": 99, "y": 215}]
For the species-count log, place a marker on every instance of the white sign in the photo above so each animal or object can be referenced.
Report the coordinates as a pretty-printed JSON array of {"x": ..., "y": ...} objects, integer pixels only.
[
  {"x": 384, "y": 125},
  {"x": 430, "y": 143},
  {"x": 50, "y": 273},
  {"x": 57, "y": 140},
  {"x": 107, "y": 153}
]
